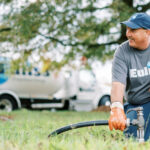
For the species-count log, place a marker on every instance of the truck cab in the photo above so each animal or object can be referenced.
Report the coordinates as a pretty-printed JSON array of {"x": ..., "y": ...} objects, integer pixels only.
[{"x": 83, "y": 90}]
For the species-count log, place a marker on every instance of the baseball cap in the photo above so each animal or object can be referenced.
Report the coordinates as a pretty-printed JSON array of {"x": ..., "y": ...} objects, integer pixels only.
[{"x": 138, "y": 20}]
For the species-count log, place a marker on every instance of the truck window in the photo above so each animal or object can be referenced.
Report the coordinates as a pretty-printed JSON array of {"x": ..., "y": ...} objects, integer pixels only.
[
  {"x": 87, "y": 76},
  {"x": 87, "y": 80}
]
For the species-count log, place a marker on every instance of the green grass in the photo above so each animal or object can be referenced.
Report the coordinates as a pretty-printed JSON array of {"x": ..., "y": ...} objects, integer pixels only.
[{"x": 28, "y": 130}]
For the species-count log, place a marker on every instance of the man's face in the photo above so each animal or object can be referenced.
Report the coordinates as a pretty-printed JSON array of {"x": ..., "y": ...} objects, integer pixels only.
[{"x": 138, "y": 38}]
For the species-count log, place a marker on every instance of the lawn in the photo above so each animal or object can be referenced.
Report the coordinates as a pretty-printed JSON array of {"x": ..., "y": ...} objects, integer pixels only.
[{"x": 28, "y": 130}]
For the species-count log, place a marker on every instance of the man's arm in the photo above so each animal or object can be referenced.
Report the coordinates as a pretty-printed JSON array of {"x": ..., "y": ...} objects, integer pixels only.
[
  {"x": 117, "y": 118},
  {"x": 117, "y": 92}
]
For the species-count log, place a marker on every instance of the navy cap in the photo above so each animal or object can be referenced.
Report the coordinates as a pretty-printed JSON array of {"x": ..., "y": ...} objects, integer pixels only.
[{"x": 138, "y": 20}]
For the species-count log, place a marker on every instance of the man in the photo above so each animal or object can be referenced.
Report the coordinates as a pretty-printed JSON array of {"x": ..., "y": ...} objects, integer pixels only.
[{"x": 131, "y": 73}]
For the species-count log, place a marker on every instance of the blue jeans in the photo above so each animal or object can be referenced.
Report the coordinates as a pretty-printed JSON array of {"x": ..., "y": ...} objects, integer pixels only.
[{"x": 132, "y": 130}]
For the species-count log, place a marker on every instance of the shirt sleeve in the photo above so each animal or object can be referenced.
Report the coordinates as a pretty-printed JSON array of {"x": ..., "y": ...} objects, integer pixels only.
[{"x": 119, "y": 67}]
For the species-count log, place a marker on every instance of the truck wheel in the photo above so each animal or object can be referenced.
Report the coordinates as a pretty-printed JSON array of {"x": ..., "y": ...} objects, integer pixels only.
[
  {"x": 104, "y": 101},
  {"x": 7, "y": 103}
]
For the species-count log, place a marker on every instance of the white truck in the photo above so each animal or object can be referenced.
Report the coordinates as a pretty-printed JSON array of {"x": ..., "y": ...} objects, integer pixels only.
[{"x": 77, "y": 90}]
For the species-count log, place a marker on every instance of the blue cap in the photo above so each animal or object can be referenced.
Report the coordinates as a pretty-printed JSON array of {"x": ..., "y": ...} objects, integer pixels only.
[{"x": 138, "y": 20}]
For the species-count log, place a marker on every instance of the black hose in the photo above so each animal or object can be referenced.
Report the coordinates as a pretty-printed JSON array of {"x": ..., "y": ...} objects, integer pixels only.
[{"x": 78, "y": 125}]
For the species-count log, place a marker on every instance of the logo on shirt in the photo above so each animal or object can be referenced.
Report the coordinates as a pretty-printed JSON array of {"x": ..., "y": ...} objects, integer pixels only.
[{"x": 134, "y": 73}]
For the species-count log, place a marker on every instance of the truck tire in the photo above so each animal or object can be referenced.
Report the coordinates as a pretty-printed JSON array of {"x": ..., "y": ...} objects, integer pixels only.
[
  {"x": 7, "y": 103},
  {"x": 104, "y": 101}
]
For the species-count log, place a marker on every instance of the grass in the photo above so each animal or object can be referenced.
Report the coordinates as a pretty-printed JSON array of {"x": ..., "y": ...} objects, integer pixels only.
[{"x": 28, "y": 130}]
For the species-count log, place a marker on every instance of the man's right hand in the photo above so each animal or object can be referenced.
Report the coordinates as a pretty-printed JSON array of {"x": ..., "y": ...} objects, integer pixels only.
[{"x": 117, "y": 119}]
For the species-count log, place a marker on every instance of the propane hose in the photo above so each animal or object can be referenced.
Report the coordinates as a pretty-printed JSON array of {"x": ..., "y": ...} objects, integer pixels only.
[
  {"x": 139, "y": 122},
  {"x": 78, "y": 125}
]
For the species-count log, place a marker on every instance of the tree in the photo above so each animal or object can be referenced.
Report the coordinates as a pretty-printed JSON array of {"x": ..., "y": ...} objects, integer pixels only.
[{"x": 83, "y": 28}]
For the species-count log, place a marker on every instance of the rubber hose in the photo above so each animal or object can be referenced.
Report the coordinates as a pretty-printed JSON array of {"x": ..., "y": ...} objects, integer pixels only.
[{"x": 78, "y": 125}]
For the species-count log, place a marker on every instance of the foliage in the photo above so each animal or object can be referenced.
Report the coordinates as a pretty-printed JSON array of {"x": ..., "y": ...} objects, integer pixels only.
[
  {"x": 79, "y": 26},
  {"x": 25, "y": 130}
]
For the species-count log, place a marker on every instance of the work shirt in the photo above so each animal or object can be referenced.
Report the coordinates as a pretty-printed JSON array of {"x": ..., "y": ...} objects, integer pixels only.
[{"x": 131, "y": 67}]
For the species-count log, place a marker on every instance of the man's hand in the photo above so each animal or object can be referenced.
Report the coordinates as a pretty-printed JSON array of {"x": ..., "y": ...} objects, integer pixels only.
[{"x": 117, "y": 119}]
